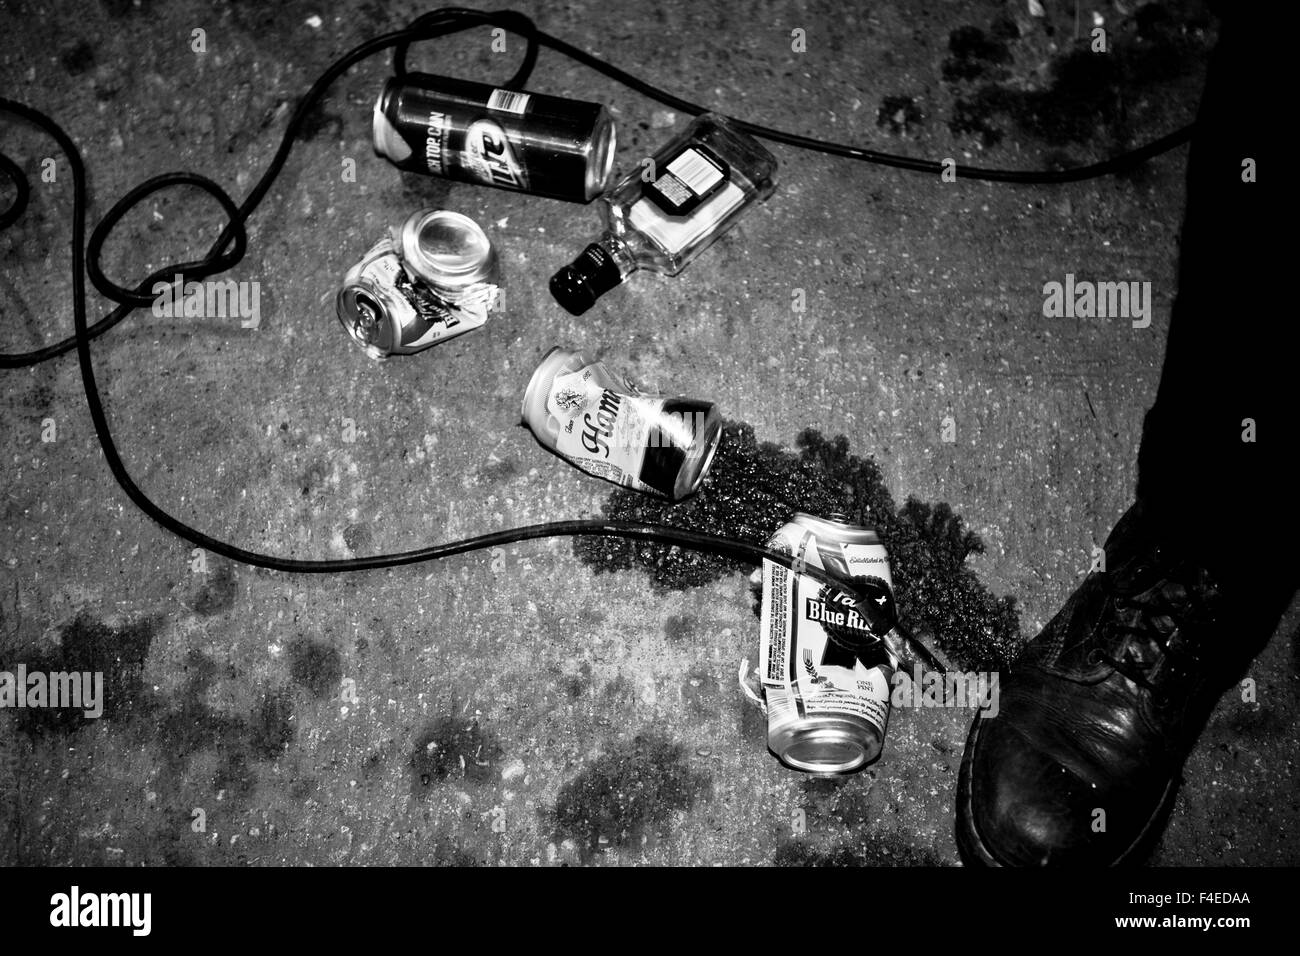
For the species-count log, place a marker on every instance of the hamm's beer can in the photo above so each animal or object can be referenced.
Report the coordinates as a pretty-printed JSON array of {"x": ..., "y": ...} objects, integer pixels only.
[
  {"x": 609, "y": 428},
  {"x": 475, "y": 133},
  {"x": 430, "y": 280},
  {"x": 827, "y": 699}
]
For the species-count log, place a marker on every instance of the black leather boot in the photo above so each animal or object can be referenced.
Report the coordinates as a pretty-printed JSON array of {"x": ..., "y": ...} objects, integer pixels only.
[{"x": 1079, "y": 766}]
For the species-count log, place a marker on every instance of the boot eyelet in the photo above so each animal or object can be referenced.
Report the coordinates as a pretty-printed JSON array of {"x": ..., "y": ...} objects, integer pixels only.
[{"x": 1094, "y": 657}]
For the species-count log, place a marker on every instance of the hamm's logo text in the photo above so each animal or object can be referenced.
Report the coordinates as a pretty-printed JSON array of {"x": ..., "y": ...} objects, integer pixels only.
[
  {"x": 74, "y": 909},
  {"x": 621, "y": 425},
  {"x": 595, "y": 434},
  {"x": 209, "y": 300}
]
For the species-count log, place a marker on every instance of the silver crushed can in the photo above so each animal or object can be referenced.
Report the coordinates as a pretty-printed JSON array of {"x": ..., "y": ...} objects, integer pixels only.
[
  {"x": 431, "y": 279},
  {"x": 827, "y": 708}
]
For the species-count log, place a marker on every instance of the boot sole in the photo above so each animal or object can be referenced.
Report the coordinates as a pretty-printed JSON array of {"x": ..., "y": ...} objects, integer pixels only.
[{"x": 975, "y": 852}]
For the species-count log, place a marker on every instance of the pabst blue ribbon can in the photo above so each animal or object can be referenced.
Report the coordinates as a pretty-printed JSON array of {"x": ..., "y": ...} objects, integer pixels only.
[{"x": 825, "y": 681}]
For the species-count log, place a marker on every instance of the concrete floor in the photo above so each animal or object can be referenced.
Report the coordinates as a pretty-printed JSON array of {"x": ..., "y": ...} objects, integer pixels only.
[{"x": 518, "y": 708}]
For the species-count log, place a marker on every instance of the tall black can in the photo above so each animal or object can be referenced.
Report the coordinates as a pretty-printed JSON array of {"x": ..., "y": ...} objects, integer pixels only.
[{"x": 529, "y": 142}]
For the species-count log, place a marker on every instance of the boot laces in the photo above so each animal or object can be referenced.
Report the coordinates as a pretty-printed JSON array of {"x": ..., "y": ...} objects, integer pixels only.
[{"x": 1157, "y": 624}]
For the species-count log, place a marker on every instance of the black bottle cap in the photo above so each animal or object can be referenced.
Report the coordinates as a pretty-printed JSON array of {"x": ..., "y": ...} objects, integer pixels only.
[{"x": 578, "y": 285}]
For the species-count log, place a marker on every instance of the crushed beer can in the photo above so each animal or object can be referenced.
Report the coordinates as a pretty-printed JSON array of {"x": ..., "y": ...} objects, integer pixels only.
[
  {"x": 609, "y": 428},
  {"x": 824, "y": 674},
  {"x": 431, "y": 279}
]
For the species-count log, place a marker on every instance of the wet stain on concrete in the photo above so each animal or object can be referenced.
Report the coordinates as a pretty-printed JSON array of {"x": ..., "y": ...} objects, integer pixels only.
[
  {"x": 619, "y": 692},
  {"x": 318, "y": 120},
  {"x": 700, "y": 692},
  {"x": 1084, "y": 94},
  {"x": 190, "y": 725},
  {"x": 233, "y": 775},
  {"x": 754, "y": 488},
  {"x": 821, "y": 795},
  {"x": 627, "y": 793},
  {"x": 1258, "y": 722},
  {"x": 752, "y": 720},
  {"x": 217, "y": 593},
  {"x": 420, "y": 191},
  {"x": 312, "y": 476},
  {"x": 898, "y": 115},
  {"x": 357, "y": 537},
  {"x": 973, "y": 54},
  {"x": 575, "y": 685},
  {"x": 445, "y": 853},
  {"x": 78, "y": 58},
  {"x": 118, "y": 652},
  {"x": 852, "y": 801},
  {"x": 118, "y": 9},
  {"x": 270, "y": 729},
  {"x": 1088, "y": 90},
  {"x": 453, "y": 746},
  {"x": 374, "y": 766},
  {"x": 498, "y": 470},
  {"x": 315, "y": 666},
  {"x": 88, "y": 645},
  {"x": 271, "y": 24},
  {"x": 169, "y": 840},
  {"x": 681, "y": 628}
]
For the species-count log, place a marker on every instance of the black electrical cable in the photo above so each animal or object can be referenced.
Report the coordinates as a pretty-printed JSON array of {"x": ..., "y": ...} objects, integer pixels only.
[
  {"x": 21, "y": 192},
  {"x": 1107, "y": 167},
  {"x": 430, "y": 26},
  {"x": 230, "y": 246}
]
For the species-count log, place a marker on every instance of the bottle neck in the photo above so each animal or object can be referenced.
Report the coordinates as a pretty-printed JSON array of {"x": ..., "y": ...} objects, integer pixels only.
[
  {"x": 601, "y": 266},
  {"x": 620, "y": 252}
]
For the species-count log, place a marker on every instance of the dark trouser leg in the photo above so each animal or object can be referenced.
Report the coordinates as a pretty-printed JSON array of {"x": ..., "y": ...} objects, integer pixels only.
[
  {"x": 1079, "y": 764},
  {"x": 1230, "y": 354}
]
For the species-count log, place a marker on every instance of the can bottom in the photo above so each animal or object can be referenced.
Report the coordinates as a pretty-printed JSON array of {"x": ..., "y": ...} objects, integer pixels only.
[
  {"x": 699, "y": 455},
  {"x": 827, "y": 746}
]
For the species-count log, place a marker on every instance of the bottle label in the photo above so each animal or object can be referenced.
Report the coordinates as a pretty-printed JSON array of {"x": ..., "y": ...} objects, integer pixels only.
[
  {"x": 686, "y": 181},
  {"x": 489, "y": 157},
  {"x": 508, "y": 101},
  {"x": 675, "y": 234}
]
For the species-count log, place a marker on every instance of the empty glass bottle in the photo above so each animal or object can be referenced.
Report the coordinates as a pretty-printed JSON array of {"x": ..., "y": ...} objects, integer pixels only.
[{"x": 666, "y": 213}]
